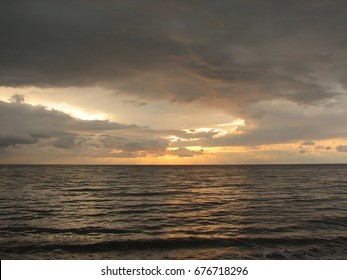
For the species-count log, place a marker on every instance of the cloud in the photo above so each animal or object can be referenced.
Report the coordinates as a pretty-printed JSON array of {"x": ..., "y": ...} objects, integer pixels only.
[
  {"x": 17, "y": 98},
  {"x": 27, "y": 124},
  {"x": 65, "y": 142},
  {"x": 224, "y": 54},
  {"x": 135, "y": 144},
  {"x": 278, "y": 122},
  {"x": 13, "y": 139},
  {"x": 320, "y": 147},
  {"x": 184, "y": 152},
  {"x": 24, "y": 124},
  {"x": 280, "y": 67},
  {"x": 134, "y": 103},
  {"x": 341, "y": 148},
  {"x": 308, "y": 143}
]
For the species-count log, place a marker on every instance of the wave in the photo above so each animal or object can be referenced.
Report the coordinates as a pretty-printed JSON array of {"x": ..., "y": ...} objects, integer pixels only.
[
  {"x": 177, "y": 243},
  {"x": 77, "y": 231}
]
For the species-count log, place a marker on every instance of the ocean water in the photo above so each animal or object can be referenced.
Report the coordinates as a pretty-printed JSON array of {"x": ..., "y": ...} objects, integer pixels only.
[{"x": 173, "y": 212}]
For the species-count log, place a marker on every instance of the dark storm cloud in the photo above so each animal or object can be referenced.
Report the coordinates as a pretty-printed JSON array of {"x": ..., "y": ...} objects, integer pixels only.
[
  {"x": 62, "y": 43},
  {"x": 225, "y": 53}
]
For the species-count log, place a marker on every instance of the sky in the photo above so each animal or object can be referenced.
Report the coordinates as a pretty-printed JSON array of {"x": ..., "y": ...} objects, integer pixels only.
[{"x": 173, "y": 82}]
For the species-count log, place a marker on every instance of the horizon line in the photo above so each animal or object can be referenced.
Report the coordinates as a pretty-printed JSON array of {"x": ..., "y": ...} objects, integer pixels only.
[{"x": 214, "y": 164}]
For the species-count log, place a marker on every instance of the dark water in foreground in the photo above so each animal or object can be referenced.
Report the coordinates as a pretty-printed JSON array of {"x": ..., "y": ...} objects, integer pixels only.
[{"x": 173, "y": 212}]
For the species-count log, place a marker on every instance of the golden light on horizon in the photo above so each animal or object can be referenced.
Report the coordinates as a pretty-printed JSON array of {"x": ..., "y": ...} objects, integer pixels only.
[{"x": 74, "y": 111}]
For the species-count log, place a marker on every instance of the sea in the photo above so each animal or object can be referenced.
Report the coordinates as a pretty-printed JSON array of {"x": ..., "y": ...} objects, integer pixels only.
[{"x": 173, "y": 212}]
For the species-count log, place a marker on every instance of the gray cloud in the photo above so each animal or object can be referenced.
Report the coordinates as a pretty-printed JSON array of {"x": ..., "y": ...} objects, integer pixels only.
[
  {"x": 11, "y": 140},
  {"x": 24, "y": 124},
  {"x": 282, "y": 122},
  {"x": 65, "y": 142},
  {"x": 137, "y": 143},
  {"x": 134, "y": 103},
  {"x": 319, "y": 147},
  {"x": 341, "y": 148},
  {"x": 184, "y": 152},
  {"x": 17, "y": 98},
  {"x": 308, "y": 143},
  {"x": 222, "y": 53}
]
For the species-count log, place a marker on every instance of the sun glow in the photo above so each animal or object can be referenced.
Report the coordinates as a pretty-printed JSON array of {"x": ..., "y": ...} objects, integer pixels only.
[
  {"x": 238, "y": 122},
  {"x": 74, "y": 111},
  {"x": 173, "y": 138}
]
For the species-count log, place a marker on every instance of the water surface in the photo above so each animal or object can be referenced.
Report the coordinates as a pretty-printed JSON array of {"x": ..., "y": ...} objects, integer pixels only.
[{"x": 173, "y": 212}]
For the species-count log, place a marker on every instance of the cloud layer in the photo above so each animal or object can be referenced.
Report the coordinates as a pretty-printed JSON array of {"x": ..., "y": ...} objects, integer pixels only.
[
  {"x": 279, "y": 66},
  {"x": 24, "y": 124},
  {"x": 27, "y": 124},
  {"x": 227, "y": 52}
]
